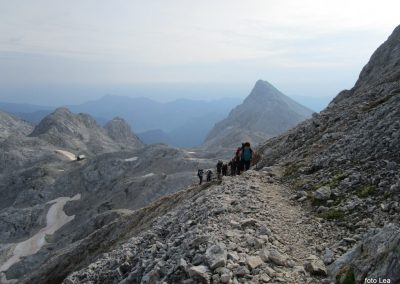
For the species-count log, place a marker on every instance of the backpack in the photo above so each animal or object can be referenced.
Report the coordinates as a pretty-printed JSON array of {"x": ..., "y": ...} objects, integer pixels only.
[
  {"x": 247, "y": 154},
  {"x": 200, "y": 173}
]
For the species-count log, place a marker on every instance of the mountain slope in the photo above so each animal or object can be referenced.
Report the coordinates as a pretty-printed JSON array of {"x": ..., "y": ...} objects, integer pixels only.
[
  {"x": 347, "y": 158},
  {"x": 265, "y": 113},
  {"x": 10, "y": 125},
  {"x": 120, "y": 131},
  {"x": 213, "y": 232}
]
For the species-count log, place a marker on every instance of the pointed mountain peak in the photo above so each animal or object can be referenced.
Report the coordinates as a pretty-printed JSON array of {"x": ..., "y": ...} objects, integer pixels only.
[{"x": 262, "y": 92}]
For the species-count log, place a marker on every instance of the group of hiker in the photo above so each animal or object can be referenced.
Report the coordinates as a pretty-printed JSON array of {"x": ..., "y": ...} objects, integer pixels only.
[{"x": 239, "y": 163}]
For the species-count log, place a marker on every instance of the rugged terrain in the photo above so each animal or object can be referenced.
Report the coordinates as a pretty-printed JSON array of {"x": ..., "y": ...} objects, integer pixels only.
[
  {"x": 321, "y": 206},
  {"x": 265, "y": 113},
  {"x": 346, "y": 159},
  {"x": 40, "y": 169}
]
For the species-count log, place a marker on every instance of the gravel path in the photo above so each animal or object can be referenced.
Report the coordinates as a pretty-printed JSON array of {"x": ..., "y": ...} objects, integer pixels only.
[{"x": 243, "y": 230}]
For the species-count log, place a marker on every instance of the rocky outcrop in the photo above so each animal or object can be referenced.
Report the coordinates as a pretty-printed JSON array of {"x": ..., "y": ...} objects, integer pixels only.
[
  {"x": 74, "y": 132},
  {"x": 265, "y": 113},
  {"x": 377, "y": 256},
  {"x": 120, "y": 131},
  {"x": 10, "y": 125}
]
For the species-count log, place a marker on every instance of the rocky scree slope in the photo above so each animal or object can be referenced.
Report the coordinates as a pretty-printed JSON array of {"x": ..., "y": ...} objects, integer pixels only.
[
  {"x": 346, "y": 159},
  {"x": 243, "y": 230},
  {"x": 265, "y": 113},
  {"x": 33, "y": 172}
]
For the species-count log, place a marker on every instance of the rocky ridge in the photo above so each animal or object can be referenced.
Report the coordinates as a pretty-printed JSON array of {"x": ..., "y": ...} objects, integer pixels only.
[{"x": 84, "y": 134}]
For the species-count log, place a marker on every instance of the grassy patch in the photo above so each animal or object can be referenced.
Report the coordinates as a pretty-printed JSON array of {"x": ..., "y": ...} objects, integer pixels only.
[
  {"x": 291, "y": 170},
  {"x": 366, "y": 190},
  {"x": 332, "y": 215},
  {"x": 333, "y": 182}
]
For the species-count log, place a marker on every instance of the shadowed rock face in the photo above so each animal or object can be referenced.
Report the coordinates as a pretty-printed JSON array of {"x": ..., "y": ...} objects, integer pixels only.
[
  {"x": 265, "y": 113},
  {"x": 352, "y": 147}
]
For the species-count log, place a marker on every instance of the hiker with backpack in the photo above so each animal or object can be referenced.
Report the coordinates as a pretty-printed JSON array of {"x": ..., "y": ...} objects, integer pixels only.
[
  {"x": 247, "y": 156},
  {"x": 232, "y": 165},
  {"x": 224, "y": 169},
  {"x": 200, "y": 173},
  {"x": 209, "y": 175},
  {"x": 219, "y": 168},
  {"x": 238, "y": 159}
]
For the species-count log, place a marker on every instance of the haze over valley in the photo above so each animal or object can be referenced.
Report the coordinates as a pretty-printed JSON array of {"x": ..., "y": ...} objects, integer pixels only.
[{"x": 199, "y": 142}]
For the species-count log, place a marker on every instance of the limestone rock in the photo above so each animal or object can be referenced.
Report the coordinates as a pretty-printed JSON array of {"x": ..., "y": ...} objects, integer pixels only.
[
  {"x": 200, "y": 273},
  {"x": 216, "y": 256}
]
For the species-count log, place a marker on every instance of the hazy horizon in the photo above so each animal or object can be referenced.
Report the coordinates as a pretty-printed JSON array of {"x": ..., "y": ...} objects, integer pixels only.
[{"x": 63, "y": 52}]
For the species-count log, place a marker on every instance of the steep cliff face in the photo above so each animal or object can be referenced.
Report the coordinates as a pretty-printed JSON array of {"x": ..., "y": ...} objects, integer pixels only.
[{"x": 265, "y": 113}]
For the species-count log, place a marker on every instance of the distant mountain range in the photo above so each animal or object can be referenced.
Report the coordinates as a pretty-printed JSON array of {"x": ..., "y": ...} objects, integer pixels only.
[{"x": 182, "y": 123}]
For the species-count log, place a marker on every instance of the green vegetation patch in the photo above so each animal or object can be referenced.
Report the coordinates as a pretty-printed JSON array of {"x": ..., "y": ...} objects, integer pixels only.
[
  {"x": 332, "y": 215},
  {"x": 291, "y": 169},
  {"x": 333, "y": 182},
  {"x": 366, "y": 190}
]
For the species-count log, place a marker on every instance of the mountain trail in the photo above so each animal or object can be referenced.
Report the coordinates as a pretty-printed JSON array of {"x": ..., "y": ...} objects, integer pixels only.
[{"x": 243, "y": 230}]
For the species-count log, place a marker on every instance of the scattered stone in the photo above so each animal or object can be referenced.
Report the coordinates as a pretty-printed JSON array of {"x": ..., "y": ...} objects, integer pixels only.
[
  {"x": 277, "y": 258},
  {"x": 242, "y": 271},
  {"x": 316, "y": 267},
  {"x": 216, "y": 256},
  {"x": 254, "y": 262},
  {"x": 323, "y": 193},
  {"x": 200, "y": 273}
]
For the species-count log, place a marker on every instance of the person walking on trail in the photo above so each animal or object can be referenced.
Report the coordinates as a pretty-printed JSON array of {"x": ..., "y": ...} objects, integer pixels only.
[
  {"x": 219, "y": 169},
  {"x": 224, "y": 169},
  {"x": 209, "y": 175},
  {"x": 200, "y": 173},
  {"x": 247, "y": 156},
  {"x": 238, "y": 158},
  {"x": 232, "y": 165}
]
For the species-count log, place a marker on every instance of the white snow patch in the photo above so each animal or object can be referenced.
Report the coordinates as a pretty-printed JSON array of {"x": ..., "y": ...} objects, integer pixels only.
[
  {"x": 131, "y": 159},
  {"x": 56, "y": 218},
  {"x": 148, "y": 175},
  {"x": 67, "y": 154}
]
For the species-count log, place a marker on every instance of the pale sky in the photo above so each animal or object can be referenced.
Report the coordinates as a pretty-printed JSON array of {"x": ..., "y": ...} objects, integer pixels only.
[{"x": 304, "y": 48}]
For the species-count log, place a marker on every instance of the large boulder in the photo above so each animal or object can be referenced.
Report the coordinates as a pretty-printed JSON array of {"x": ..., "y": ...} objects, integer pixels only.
[{"x": 377, "y": 256}]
